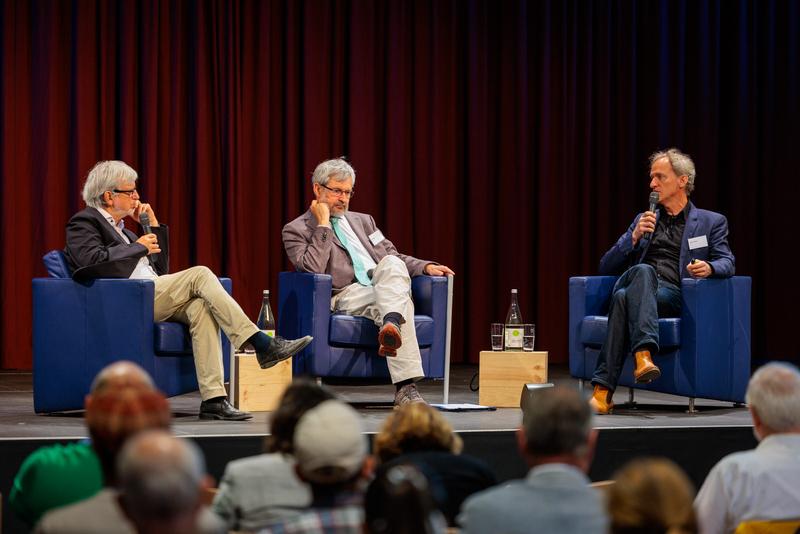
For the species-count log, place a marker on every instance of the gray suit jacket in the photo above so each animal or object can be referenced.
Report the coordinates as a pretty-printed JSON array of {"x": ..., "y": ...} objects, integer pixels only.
[
  {"x": 316, "y": 249},
  {"x": 552, "y": 498}
]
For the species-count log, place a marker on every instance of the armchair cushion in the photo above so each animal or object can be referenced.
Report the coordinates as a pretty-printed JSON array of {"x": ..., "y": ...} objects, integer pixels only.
[
  {"x": 352, "y": 331},
  {"x": 593, "y": 331}
]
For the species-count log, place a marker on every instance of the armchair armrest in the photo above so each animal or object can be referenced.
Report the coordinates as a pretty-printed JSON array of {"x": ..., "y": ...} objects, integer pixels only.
[
  {"x": 588, "y": 295},
  {"x": 304, "y": 308},
  {"x": 430, "y": 298},
  {"x": 715, "y": 320}
]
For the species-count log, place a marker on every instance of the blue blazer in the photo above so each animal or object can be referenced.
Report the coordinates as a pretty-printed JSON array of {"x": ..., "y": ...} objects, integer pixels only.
[{"x": 699, "y": 223}]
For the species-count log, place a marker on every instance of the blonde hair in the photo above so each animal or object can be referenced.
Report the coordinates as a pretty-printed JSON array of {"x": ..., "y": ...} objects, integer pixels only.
[
  {"x": 651, "y": 495},
  {"x": 413, "y": 428}
]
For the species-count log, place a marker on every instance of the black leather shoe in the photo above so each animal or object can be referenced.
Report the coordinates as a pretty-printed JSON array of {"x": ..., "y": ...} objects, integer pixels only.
[
  {"x": 220, "y": 408},
  {"x": 281, "y": 349}
]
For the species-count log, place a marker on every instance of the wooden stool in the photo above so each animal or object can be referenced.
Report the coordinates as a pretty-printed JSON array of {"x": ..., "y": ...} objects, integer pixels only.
[
  {"x": 503, "y": 373},
  {"x": 257, "y": 389}
]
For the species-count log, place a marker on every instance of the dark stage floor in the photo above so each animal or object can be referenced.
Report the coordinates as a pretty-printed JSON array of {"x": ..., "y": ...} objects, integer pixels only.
[{"x": 659, "y": 426}]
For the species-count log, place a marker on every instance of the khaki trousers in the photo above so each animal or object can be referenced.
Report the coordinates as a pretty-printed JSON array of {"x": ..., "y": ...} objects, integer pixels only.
[
  {"x": 390, "y": 292},
  {"x": 196, "y": 298}
]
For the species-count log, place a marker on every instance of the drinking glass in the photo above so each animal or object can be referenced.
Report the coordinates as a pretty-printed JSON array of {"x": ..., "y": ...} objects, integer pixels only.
[
  {"x": 497, "y": 336},
  {"x": 528, "y": 337}
]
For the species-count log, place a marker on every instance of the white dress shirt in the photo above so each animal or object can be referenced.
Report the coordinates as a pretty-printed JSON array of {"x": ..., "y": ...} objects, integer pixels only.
[{"x": 760, "y": 484}]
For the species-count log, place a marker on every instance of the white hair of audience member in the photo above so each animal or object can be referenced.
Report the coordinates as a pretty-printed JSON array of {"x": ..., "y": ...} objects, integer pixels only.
[
  {"x": 774, "y": 395},
  {"x": 106, "y": 176},
  {"x": 337, "y": 168},
  {"x": 160, "y": 476}
]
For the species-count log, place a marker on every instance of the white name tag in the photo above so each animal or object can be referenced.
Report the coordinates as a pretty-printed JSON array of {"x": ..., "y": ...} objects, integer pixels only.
[
  {"x": 376, "y": 237},
  {"x": 698, "y": 242}
]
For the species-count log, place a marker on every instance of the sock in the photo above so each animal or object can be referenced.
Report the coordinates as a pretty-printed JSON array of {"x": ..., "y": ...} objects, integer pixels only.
[
  {"x": 260, "y": 341},
  {"x": 393, "y": 317},
  {"x": 216, "y": 399},
  {"x": 402, "y": 383}
]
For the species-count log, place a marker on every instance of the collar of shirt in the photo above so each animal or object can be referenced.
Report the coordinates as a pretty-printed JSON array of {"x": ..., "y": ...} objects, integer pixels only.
[{"x": 118, "y": 226}]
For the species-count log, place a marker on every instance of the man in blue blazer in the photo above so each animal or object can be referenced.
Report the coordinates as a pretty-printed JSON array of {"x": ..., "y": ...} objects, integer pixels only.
[{"x": 674, "y": 241}]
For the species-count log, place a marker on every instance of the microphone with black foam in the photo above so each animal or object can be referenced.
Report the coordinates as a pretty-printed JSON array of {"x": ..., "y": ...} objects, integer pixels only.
[
  {"x": 654, "y": 197},
  {"x": 144, "y": 220}
]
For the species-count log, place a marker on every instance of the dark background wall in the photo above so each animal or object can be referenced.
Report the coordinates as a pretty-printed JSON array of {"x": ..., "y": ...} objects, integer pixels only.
[{"x": 508, "y": 139}]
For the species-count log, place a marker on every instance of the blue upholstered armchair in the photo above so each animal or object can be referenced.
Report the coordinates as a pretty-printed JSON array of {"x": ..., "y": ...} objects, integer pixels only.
[
  {"x": 347, "y": 346},
  {"x": 80, "y": 328},
  {"x": 704, "y": 353}
]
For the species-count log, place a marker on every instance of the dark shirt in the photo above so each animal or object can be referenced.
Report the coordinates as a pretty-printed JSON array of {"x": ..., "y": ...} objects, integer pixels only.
[{"x": 665, "y": 251}]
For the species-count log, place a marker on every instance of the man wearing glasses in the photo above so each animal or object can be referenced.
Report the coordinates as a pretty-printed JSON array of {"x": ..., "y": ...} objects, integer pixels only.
[
  {"x": 370, "y": 277},
  {"x": 99, "y": 246}
]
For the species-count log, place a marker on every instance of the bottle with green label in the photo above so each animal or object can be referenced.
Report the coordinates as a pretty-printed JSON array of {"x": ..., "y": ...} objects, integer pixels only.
[
  {"x": 266, "y": 320},
  {"x": 513, "y": 333}
]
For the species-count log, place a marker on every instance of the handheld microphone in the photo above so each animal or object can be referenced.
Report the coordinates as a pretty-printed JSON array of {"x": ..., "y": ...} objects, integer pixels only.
[
  {"x": 654, "y": 196},
  {"x": 144, "y": 220}
]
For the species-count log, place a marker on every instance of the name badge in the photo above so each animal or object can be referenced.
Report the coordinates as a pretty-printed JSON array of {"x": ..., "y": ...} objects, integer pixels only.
[
  {"x": 376, "y": 237},
  {"x": 698, "y": 242}
]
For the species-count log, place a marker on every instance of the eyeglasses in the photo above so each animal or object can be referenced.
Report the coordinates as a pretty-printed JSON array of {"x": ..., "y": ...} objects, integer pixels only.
[
  {"x": 340, "y": 192},
  {"x": 129, "y": 192}
]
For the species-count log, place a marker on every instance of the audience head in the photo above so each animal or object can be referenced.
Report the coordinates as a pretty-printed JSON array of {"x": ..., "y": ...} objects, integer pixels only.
[
  {"x": 299, "y": 397},
  {"x": 122, "y": 403},
  {"x": 399, "y": 501},
  {"x": 681, "y": 163},
  {"x": 121, "y": 374},
  {"x": 415, "y": 427},
  {"x": 161, "y": 480},
  {"x": 651, "y": 496},
  {"x": 329, "y": 445},
  {"x": 105, "y": 177},
  {"x": 557, "y": 428},
  {"x": 773, "y": 396}
]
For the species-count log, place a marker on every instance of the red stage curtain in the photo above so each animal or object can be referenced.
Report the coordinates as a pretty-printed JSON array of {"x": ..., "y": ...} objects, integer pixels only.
[{"x": 506, "y": 139}]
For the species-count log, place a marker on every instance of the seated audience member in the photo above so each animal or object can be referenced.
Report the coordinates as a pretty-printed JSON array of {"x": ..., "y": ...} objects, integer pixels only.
[
  {"x": 763, "y": 483},
  {"x": 651, "y": 496},
  {"x": 331, "y": 453},
  {"x": 99, "y": 246},
  {"x": 399, "y": 501},
  {"x": 119, "y": 407},
  {"x": 58, "y": 475},
  {"x": 418, "y": 434},
  {"x": 557, "y": 442},
  {"x": 264, "y": 489},
  {"x": 161, "y": 481}
]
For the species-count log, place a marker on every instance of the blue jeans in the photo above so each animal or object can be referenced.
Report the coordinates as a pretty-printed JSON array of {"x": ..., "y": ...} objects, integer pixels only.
[{"x": 638, "y": 300}]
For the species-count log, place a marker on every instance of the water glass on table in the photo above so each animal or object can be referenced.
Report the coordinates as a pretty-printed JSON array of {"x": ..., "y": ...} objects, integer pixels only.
[
  {"x": 497, "y": 330},
  {"x": 528, "y": 337}
]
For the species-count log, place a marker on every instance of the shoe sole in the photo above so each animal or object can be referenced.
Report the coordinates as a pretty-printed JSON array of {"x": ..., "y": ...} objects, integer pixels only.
[
  {"x": 648, "y": 376},
  {"x": 389, "y": 340},
  {"x": 216, "y": 417}
]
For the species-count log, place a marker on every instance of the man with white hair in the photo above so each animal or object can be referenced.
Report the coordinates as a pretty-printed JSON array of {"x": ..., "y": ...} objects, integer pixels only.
[
  {"x": 161, "y": 482},
  {"x": 99, "y": 246},
  {"x": 370, "y": 277},
  {"x": 763, "y": 483},
  {"x": 670, "y": 241}
]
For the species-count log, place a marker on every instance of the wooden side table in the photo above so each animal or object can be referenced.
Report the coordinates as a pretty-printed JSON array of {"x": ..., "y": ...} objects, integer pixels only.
[
  {"x": 257, "y": 389},
  {"x": 502, "y": 374}
]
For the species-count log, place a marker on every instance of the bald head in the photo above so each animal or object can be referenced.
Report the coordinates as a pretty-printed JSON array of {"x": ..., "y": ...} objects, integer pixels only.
[
  {"x": 120, "y": 374},
  {"x": 160, "y": 481}
]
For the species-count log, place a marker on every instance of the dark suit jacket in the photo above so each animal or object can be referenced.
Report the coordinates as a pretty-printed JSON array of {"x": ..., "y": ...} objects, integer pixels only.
[
  {"x": 698, "y": 223},
  {"x": 316, "y": 249},
  {"x": 95, "y": 250}
]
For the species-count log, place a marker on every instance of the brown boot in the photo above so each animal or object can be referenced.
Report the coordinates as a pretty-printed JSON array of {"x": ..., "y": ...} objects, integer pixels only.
[
  {"x": 646, "y": 371},
  {"x": 601, "y": 400}
]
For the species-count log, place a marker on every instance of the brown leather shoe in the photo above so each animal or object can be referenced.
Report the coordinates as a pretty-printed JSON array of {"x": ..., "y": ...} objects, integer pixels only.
[
  {"x": 646, "y": 371},
  {"x": 601, "y": 400},
  {"x": 389, "y": 339}
]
